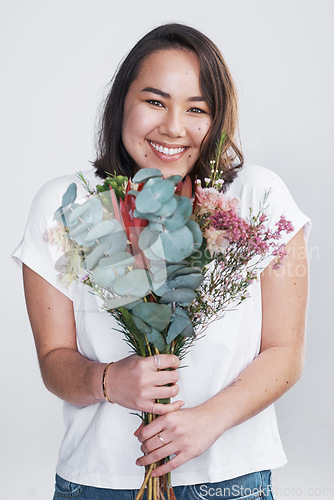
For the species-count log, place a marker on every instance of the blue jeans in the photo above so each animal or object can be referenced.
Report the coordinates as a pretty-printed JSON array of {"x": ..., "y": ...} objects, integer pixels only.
[{"x": 256, "y": 485}]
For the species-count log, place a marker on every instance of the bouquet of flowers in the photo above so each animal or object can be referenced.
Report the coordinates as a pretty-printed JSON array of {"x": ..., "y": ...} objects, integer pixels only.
[{"x": 164, "y": 262}]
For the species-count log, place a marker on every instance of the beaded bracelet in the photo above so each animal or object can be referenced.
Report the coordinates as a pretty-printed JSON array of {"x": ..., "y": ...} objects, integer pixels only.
[{"x": 104, "y": 383}]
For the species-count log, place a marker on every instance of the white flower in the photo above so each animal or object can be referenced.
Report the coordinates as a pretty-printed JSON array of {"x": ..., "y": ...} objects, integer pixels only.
[{"x": 70, "y": 266}]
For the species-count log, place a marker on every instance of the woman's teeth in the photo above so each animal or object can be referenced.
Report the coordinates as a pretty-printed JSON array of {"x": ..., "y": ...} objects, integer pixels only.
[{"x": 166, "y": 151}]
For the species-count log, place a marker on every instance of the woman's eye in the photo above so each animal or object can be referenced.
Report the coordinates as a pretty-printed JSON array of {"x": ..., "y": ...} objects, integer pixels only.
[
  {"x": 154, "y": 102},
  {"x": 197, "y": 110}
]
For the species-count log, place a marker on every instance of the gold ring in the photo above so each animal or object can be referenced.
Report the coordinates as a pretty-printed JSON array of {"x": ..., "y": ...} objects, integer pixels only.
[{"x": 161, "y": 439}]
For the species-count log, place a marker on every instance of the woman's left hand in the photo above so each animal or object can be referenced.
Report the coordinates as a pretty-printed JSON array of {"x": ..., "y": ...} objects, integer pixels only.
[{"x": 185, "y": 433}]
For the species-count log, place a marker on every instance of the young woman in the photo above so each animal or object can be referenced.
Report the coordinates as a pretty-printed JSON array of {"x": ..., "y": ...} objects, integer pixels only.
[{"x": 169, "y": 104}]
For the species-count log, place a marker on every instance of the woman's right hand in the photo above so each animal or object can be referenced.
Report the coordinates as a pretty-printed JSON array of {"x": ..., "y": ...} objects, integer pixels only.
[
  {"x": 133, "y": 382},
  {"x": 136, "y": 383}
]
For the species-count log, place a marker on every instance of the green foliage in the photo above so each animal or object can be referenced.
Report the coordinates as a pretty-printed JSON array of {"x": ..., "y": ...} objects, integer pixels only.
[
  {"x": 70, "y": 195},
  {"x": 180, "y": 325},
  {"x": 146, "y": 174},
  {"x": 114, "y": 182},
  {"x": 168, "y": 242},
  {"x": 155, "y": 315}
]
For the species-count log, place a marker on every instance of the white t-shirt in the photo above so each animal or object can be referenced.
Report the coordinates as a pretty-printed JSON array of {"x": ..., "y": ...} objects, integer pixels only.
[{"x": 99, "y": 448}]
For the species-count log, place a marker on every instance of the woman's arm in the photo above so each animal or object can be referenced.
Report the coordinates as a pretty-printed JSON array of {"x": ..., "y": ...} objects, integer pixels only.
[
  {"x": 191, "y": 431},
  {"x": 133, "y": 382}
]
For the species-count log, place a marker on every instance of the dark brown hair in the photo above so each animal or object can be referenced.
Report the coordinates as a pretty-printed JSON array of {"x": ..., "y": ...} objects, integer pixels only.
[{"x": 216, "y": 84}]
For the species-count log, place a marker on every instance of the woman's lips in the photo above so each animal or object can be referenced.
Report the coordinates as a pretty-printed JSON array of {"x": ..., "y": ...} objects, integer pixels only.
[{"x": 167, "y": 153}]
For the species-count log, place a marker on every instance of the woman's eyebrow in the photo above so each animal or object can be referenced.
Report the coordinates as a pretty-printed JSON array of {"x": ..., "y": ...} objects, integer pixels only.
[
  {"x": 161, "y": 93},
  {"x": 157, "y": 92},
  {"x": 197, "y": 98}
]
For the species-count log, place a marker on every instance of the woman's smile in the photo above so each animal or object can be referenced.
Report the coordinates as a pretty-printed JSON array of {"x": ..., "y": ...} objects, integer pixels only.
[
  {"x": 167, "y": 152},
  {"x": 166, "y": 117}
]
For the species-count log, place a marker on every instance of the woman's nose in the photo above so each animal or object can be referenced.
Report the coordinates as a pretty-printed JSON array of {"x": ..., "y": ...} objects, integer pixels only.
[{"x": 172, "y": 124}]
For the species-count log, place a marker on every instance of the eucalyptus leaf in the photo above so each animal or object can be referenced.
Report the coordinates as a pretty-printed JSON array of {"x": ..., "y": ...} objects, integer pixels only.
[
  {"x": 181, "y": 312},
  {"x": 181, "y": 214},
  {"x": 156, "y": 315},
  {"x": 180, "y": 295},
  {"x": 103, "y": 228},
  {"x": 132, "y": 303},
  {"x": 116, "y": 242},
  {"x": 156, "y": 267},
  {"x": 175, "y": 179},
  {"x": 90, "y": 212},
  {"x": 188, "y": 331},
  {"x": 183, "y": 271},
  {"x": 159, "y": 276},
  {"x": 192, "y": 281},
  {"x": 62, "y": 215},
  {"x": 156, "y": 339},
  {"x": 105, "y": 277},
  {"x": 127, "y": 302},
  {"x": 108, "y": 232},
  {"x": 196, "y": 232},
  {"x": 178, "y": 324},
  {"x": 122, "y": 259},
  {"x": 133, "y": 192},
  {"x": 156, "y": 284},
  {"x": 146, "y": 238},
  {"x": 150, "y": 217},
  {"x": 150, "y": 182},
  {"x": 92, "y": 259},
  {"x": 146, "y": 173},
  {"x": 163, "y": 190},
  {"x": 134, "y": 283},
  {"x": 141, "y": 325},
  {"x": 156, "y": 227},
  {"x": 70, "y": 195},
  {"x": 174, "y": 246},
  {"x": 171, "y": 268},
  {"x": 79, "y": 233},
  {"x": 167, "y": 209},
  {"x": 151, "y": 256},
  {"x": 146, "y": 203},
  {"x": 162, "y": 289}
]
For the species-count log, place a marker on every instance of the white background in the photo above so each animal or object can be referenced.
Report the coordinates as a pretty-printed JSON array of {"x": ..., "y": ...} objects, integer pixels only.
[{"x": 57, "y": 58}]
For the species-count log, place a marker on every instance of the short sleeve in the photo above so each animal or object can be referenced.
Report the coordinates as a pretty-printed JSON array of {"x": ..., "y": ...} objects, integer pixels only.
[
  {"x": 258, "y": 187},
  {"x": 34, "y": 250}
]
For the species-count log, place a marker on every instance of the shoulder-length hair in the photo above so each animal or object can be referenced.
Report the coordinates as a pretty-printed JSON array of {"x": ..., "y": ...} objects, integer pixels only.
[{"x": 218, "y": 90}]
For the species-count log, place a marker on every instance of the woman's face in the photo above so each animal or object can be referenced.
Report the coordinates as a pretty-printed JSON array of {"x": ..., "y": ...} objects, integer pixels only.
[{"x": 165, "y": 114}]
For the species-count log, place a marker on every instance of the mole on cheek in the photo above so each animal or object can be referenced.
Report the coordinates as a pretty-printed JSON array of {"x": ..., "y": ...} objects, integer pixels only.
[
  {"x": 145, "y": 156},
  {"x": 199, "y": 128},
  {"x": 189, "y": 156}
]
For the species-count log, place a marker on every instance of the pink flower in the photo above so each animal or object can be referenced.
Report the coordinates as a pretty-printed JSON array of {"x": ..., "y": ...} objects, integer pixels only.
[
  {"x": 207, "y": 199},
  {"x": 284, "y": 225},
  {"x": 226, "y": 204},
  {"x": 280, "y": 253},
  {"x": 216, "y": 240}
]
